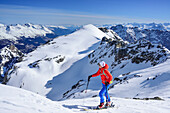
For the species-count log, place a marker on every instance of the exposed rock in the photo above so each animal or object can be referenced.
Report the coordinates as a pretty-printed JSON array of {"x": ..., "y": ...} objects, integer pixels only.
[{"x": 9, "y": 55}]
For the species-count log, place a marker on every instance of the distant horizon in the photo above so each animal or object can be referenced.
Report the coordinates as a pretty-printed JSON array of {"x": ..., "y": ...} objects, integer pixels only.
[
  {"x": 82, "y": 12},
  {"x": 83, "y": 24}
]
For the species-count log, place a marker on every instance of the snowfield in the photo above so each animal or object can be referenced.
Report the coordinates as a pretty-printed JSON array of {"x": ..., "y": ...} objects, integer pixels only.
[{"x": 15, "y": 100}]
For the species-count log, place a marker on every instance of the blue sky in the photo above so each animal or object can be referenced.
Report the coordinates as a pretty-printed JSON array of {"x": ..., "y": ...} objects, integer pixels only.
[{"x": 84, "y": 11}]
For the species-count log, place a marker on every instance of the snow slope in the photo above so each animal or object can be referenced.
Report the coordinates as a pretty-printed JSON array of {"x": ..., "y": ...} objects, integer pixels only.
[
  {"x": 53, "y": 59},
  {"x": 15, "y": 100}
]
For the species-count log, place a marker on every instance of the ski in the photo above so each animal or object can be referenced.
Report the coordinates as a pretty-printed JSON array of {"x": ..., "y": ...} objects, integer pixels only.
[{"x": 96, "y": 108}]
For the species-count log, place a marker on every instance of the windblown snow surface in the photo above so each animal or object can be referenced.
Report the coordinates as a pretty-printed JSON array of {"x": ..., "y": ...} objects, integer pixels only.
[{"x": 52, "y": 70}]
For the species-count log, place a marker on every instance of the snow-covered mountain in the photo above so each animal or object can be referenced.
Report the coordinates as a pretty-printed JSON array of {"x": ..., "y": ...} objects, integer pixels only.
[
  {"x": 13, "y": 32},
  {"x": 28, "y": 36},
  {"x": 61, "y": 66},
  {"x": 150, "y": 26},
  {"x": 123, "y": 59},
  {"x": 134, "y": 62},
  {"x": 142, "y": 26},
  {"x": 59, "y": 71},
  {"x": 55, "y": 58},
  {"x": 131, "y": 33}
]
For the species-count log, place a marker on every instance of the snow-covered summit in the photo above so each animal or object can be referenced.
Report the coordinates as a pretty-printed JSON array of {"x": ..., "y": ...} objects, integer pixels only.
[{"x": 55, "y": 58}]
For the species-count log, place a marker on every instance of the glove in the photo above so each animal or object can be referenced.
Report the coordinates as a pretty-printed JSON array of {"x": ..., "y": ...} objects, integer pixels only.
[
  {"x": 106, "y": 83},
  {"x": 89, "y": 77}
]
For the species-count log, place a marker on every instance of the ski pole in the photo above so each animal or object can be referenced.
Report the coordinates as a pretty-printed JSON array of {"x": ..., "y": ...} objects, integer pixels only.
[
  {"x": 87, "y": 86},
  {"x": 106, "y": 93}
]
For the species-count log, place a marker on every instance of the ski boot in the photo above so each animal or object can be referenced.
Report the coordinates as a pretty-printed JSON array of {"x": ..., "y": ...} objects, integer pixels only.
[
  {"x": 108, "y": 104},
  {"x": 100, "y": 106}
]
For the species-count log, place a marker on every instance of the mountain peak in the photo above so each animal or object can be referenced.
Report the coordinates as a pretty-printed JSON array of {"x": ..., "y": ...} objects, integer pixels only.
[{"x": 60, "y": 55}]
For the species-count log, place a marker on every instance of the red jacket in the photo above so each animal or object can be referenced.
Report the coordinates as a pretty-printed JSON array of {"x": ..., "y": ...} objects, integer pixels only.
[{"x": 107, "y": 77}]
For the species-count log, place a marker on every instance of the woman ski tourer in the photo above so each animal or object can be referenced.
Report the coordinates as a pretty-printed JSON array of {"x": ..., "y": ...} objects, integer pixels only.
[{"x": 106, "y": 78}]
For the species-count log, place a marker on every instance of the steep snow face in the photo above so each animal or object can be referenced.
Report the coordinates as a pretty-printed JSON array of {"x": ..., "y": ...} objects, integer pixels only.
[
  {"x": 13, "y": 32},
  {"x": 53, "y": 59}
]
